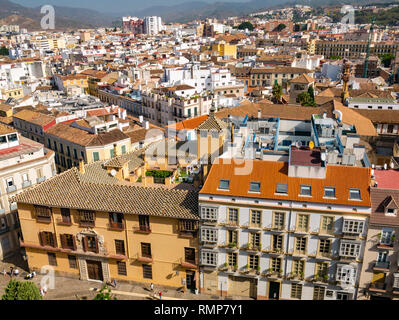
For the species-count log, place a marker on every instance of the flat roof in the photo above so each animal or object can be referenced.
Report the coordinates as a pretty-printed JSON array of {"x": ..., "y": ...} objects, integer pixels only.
[
  {"x": 305, "y": 156},
  {"x": 387, "y": 179}
]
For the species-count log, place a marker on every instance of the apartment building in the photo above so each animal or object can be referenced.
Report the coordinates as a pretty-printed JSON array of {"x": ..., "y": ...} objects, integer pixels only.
[
  {"x": 379, "y": 276},
  {"x": 280, "y": 222},
  {"x": 78, "y": 80},
  {"x": 353, "y": 49},
  {"x": 282, "y": 75},
  {"x": 152, "y": 25},
  {"x": 90, "y": 139},
  {"x": 23, "y": 163},
  {"x": 373, "y": 103},
  {"x": 91, "y": 223},
  {"x": 168, "y": 104}
]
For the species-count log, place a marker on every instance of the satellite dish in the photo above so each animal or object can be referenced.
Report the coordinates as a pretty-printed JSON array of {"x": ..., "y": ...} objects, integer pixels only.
[
  {"x": 311, "y": 144},
  {"x": 113, "y": 172}
]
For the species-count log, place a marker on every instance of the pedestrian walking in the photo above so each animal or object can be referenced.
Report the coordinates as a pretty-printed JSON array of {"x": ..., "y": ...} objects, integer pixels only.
[
  {"x": 160, "y": 295},
  {"x": 4, "y": 272},
  {"x": 11, "y": 271},
  {"x": 196, "y": 290},
  {"x": 152, "y": 287},
  {"x": 114, "y": 283},
  {"x": 16, "y": 272}
]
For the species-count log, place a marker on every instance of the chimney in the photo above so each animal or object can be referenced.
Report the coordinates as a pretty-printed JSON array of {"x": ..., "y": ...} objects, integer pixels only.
[
  {"x": 146, "y": 125},
  {"x": 141, "y": 119},
  {"x": 115, "y": 150},
  {"x": 82, "y": 166},
  {"x": 259, "y": 114}
]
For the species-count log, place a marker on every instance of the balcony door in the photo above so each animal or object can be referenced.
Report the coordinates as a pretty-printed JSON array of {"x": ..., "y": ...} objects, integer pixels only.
[{"x": 190, "y": 281}]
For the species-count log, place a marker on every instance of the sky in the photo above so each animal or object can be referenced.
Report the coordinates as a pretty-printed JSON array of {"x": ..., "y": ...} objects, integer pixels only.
[{"x": 110, "y": 6}]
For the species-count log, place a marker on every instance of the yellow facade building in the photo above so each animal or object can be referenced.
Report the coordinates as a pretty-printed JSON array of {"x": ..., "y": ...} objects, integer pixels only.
[{"x": 92, "y": 224}]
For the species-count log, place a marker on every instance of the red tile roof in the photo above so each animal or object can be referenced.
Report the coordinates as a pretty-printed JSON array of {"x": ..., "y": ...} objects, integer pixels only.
[{"x": 387, "y": 179}]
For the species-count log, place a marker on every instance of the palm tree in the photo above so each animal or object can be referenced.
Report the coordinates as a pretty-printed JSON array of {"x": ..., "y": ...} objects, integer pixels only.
[{"x": 277, "y": 92}]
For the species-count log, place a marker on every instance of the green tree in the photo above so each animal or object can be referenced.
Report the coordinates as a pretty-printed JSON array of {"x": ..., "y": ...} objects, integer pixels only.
[
  {"x": 281, "y": 27},
  {"x": 335, "y": 57},
  {"x": 17, "y": 290},
  {"x": 246, "y": 25},
  {"x": 4, "y": 51},
  {"x": 386, "y": 59},
  {"x": 105, "y": 294},
  {"x": 306, "y": 100},
  {"x": 277, "y": 92}
]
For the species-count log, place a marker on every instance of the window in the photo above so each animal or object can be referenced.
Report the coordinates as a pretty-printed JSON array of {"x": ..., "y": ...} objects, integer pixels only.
[
  {"x": 327, "y": 225},
  {"x": 298, "y": 267},
  {"x": 254, "y": 187},
  {"x": 9, "y": 182},
  {"x": 47, "y": 239},
  {"x": 123, "y": 149},
  {"x": 43, "y": 213},
  {"x": 278, "y": 220},
  {"x": 233, "y": 216},
  {"x": 329, "y": 192},
  {"x": 346, "y": 274},
  {"x": 52, "y": 259},
  {"x": 189, "y": 255},
  {"x": 275, "y": 264},
  {"x": 349, "y": 249},
  {"x": 253, "y": 261},
  {"x": 146, "y": 250},
  {"x": 120, "y": 247},
  {"x": 147, "y": 271},
  {"x": 342, "y": 296},
  {"x": 25, "y": 177},
  {"x": 66, "y": 215},
  {"x": 122, "y": 268},
  {"x": 144, "y": 223},
  {"x": 209, "y": 235},
  {"x": 281, "y": 188},
  {"x": 303, "y": 222},
  {"x": 324, "y": 247},
  {"x": 208, "y": 213},
  {"x": 306, "y": 190},
  {"x": 68, "y": 241},
  {"x": 232, "y": 259},
  {"x": 91, "y": 244},
  {"x": 318, "y": 293},
  {"x": 354, "y": 194},
  {"x": 386, "y": 237},
  {"x": 232, "y": 237},
  {"x": 321, "y": 269},
  {"x": 72, "y": 262},
  {"x": 208, "y": 258},
  {"x": 224, "y": 184},
  {"x": 86, "y": 218},
  {"x": 277, "y": 242},
  {"x": 353, "y": 226},
  {"x": 254, "y": 240},
  {"x": 296, "y": 291},
  {"x": 255, "y": 218},
  {"x": 96, "y": 156},
  {"x": 300, "y": 245}
]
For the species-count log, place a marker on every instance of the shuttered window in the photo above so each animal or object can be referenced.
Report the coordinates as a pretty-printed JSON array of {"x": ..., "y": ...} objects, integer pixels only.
[
  {"x": 48, "y": 239},
  {"x": 120, "y": 247},
  {"x": 147, "y": 271},
  {"x": 68, "y": 241},
  {"x": 122, "y": 268},
  {"x": 72, "y": 262},
  {"x": 52, "y": 259}
]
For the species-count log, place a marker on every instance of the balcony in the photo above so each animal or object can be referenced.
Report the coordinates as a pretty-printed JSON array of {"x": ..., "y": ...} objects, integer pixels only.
[
  {"x": 188, "y": 264},
  {"x": 142, "y": 229},
  {"x": 377, "y": 287},
  {"x": 64, "y": 221},
  {"x": 274, "y": 228},
  {"x": 11, "y": 189},
  {"x": 147, "y": 258},
  {"x": 251, "y": 226},
  {"x": 231, "y": 224},
  {"x": 43, "y": 219},
  {"x": 87, "y": 224},
  {"x": 187, "y": 234},
  {"x": 116, "y": 226},
  {"x": 251, "y": 247},
  {"x": 301, "y": 231},
  {"x": 26, "y": 184},
  {"x": 381, "y": 266},
  {"x": 41, "y": 179}
]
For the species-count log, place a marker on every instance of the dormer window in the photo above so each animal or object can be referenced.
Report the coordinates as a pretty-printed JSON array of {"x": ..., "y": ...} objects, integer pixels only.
[
  {"x": 354, "y": 194},
  {"x": 390, "y": 212},
  {"x": 224, "y": 184},
  {"x": 281, "y": 188},
  {"x": 254, "y": 187}
]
